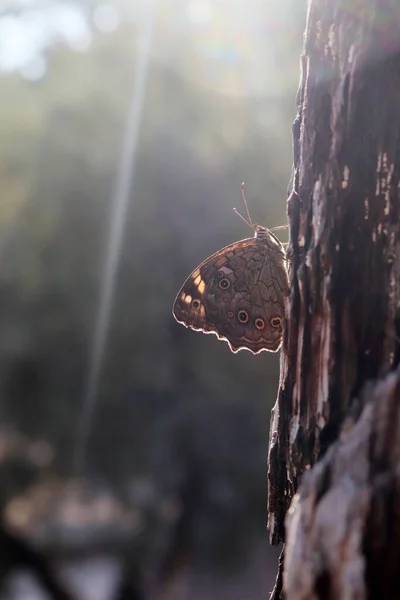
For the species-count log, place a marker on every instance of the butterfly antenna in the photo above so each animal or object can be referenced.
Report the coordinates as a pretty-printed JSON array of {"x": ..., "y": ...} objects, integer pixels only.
[
  {"x": 245, "y": 203},
  {"x": 242, "y": 217},
  {"x": 249, "y": 222}
]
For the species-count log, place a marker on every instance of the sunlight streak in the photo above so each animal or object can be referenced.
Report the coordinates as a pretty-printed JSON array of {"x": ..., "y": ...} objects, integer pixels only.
[{"x": 121, "y": 195}]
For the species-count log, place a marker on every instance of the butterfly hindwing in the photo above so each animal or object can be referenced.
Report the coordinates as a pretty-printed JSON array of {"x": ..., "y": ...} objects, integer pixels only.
[{"x": 238, "y": 294}]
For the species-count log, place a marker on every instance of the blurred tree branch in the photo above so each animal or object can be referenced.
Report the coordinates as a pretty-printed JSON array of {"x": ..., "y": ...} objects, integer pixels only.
[
  {"x": 344, "y": 319},
  {"x": 16, "y": 554}
]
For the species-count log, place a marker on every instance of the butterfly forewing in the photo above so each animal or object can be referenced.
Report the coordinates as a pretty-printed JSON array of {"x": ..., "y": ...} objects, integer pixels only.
[{"x": 238, "y": 294}]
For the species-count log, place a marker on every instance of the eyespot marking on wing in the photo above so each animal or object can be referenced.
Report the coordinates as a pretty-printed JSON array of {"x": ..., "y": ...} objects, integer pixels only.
[
  {"x": 276, "y": 322},
  {"x": 259, "y": 323}
]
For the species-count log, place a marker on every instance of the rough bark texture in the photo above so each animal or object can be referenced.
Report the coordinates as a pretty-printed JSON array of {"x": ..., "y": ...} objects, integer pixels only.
[
  {"x": 343, "y": 313},
  {"x": 343, "y": 527}
]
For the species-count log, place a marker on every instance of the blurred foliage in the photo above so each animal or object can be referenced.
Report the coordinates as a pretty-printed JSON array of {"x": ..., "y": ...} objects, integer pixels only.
[{"x": 172, "y": 405}]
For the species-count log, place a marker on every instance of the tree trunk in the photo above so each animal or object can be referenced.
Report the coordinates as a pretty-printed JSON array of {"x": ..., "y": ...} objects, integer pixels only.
[{"x": 339, "y": 396}]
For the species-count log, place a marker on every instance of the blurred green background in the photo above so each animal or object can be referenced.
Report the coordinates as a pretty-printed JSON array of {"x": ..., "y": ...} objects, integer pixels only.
[{"x": 131, "y": 449}]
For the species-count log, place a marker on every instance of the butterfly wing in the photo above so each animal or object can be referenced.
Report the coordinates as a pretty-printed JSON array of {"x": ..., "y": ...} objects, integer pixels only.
[{"x": 238, "y": 294}]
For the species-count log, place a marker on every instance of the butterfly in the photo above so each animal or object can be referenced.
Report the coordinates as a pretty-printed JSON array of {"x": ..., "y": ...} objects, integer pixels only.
[{"x": 238, "y": 292}]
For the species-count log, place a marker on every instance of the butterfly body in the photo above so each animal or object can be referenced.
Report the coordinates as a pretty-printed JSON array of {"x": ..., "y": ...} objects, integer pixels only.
[{"x": 238, "y": 294}]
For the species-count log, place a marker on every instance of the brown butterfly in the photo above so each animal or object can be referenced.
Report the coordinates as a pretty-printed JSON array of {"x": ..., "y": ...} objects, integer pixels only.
[{"x": 238, "y": 293}]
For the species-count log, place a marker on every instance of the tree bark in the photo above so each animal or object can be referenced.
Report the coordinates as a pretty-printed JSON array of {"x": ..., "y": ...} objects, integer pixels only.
[
  {"x": 343, "y": 527},
  {"x": 343, "y": 313}
]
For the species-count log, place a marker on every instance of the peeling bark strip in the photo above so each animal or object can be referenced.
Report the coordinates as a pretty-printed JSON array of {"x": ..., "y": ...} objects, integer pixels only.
[
  {"x": 343, "y": 312},
  {"x": 343, "y": 527}
]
